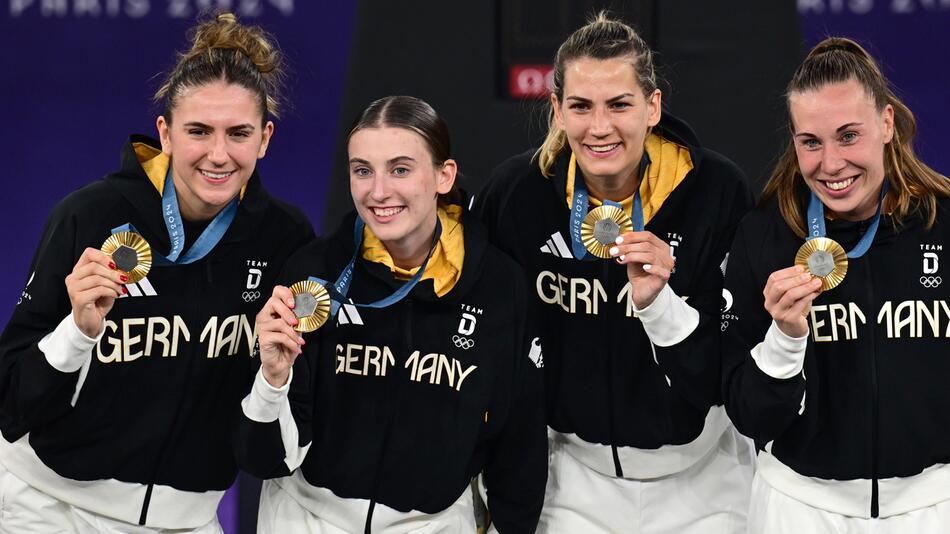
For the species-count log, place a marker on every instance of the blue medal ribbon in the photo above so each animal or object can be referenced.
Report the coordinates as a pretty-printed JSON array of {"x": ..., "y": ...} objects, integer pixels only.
[
  {"x": 341, "y": 287},
  {"x": 176, "y": 228},
  {"x": 581, "y": 203},
  {"x": 816, "y": 223}
]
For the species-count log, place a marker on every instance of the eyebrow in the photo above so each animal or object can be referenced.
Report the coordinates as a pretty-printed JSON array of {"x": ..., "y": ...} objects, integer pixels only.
[
  {"x": 196, "y": 124},
  {"x": 392, "y": 161},
  {"x": 840, "y": 129},
  {"x": 609, "y": 101}
]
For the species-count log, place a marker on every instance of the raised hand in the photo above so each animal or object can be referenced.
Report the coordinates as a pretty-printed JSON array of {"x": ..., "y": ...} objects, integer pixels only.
[
  {"x": 279, "y": 343},
  {"x": 788, "y": 295},
  {"x": 648, "y": 262},
  {"x": 93, "y": 286}
]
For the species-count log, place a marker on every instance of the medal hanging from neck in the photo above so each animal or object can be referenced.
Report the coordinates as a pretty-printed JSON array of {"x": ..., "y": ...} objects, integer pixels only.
[
  {"x": 823, "y": 257},
  {"x": 316, "y": 300},
  {"x": 594, "y": 233},
  {"x": 132, "y": 254}
]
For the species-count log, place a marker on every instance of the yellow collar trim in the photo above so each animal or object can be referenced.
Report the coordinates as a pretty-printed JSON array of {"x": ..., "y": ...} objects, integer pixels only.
[
  {"x": 445, "y": 265},
  {"x": 155, "y": 164},
  {"x": 669, "y": 165}
]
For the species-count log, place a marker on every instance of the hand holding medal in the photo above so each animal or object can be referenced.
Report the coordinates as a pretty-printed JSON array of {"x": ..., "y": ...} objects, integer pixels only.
[
  {"x": 278, "y": 334},
  {"x": 93, "y": 286},
  {"x": 649, "y": 264},
  {"x": 788, "y": 296}
]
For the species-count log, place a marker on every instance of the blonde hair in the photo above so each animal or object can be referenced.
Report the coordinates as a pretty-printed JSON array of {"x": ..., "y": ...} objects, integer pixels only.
[
  {"x": 224, "y": 49},
  {"x": 914, "y": 187},
  {"x": 601, "y": 38}
]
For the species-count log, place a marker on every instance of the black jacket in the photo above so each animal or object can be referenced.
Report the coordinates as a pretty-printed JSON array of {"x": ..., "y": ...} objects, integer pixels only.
[
  {"x": 171, "y": 367},
  {"x": 606, "y": 382},
  {"x": 460, "y": 393},
  {"x": 869, "y": 409}
]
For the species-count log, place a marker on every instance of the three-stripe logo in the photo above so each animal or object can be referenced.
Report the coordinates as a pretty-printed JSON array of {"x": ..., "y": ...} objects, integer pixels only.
[
  {"x": 557, "y": 246},
  {"x": 143, "y": 288}
]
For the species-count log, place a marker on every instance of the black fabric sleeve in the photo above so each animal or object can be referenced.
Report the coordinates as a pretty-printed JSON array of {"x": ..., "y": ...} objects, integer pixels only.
[
  {"x": 693, "y": 365},
  {"x": 516, "y": 471},
  {"x": 761, "y": 406},
  {"x": 32, "y": 392}
]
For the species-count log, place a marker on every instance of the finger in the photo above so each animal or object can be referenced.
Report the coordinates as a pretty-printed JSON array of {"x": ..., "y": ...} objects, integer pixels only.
[
  {"x": 794, "y": 295},
  {"x": 97, "y": 269},
  {"x": 776, "y": 288},
  {"x": 788, "y": 272},
  {"x": 277, "y": 308},
  {"x": 281, "y": 326},
  {"x": 93, "y": 255},
  {"x": 284, "y": 293},
  {"x": 284, "y": 342},
  {"x": 81, "y": 285},
  {"x": 91, "y": 297}
]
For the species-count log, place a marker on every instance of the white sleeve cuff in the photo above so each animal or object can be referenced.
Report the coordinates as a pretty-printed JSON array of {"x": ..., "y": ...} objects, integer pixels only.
[
  {"x": 66, "y": 348},
  {"x": 264, "y": 401},
  {"x": 668, "y": 320},
  {"x": 780, "y": 355}
]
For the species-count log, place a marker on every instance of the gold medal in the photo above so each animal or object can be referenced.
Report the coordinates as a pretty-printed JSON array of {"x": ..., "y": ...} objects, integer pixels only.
[
  {"x": 601, "y": 227},
  {"x": 825, "y": 259},
  {"x": 131, "y": 254},
  {"x": 311, "y": 305}
]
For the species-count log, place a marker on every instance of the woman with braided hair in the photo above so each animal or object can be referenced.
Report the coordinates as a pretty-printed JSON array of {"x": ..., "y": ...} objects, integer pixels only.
[{"x": 120, "y": 374}]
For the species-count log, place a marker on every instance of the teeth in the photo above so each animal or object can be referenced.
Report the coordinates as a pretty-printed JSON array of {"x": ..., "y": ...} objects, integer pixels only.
[
  {"x": 216, "y": 175},
  {"x": 838, "y": 186},
  {"x": 386, "y": 212},
  {"x": 606, "y": 148}
]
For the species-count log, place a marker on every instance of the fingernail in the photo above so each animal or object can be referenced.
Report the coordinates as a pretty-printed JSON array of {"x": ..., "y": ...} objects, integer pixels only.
[
  {"x": 647, "y": 266},
  {"x": 614, "y": 251},
  {"x": 124, "y": 290},
  {"x": 290, "y": 302},
  {"x": 111, "y": 265},
  {"x": 619, "y": 240},
  {"x": 123, "y": 278},
  {"x": 621, "y": 257},
  {"x": 300, "y": 340},
  {"x": 804, "y": 276},
  {"x": 799, "y": 268}
]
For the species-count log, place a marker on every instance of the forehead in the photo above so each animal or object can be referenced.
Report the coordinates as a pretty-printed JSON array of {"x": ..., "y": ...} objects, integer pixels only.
[
  {"x": 831, "y": 106},
  {"x": 386, "y": 143},
  {"x": 600, "y": 76},
  {"x": 217, "y": 103}
]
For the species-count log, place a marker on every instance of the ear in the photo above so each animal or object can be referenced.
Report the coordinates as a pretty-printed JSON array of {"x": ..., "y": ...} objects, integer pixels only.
[
  {"x": 888, "y": 116},
  {"x": 558, "y": 116},
  {"x": 655, "y": 108},
  {"x": 446, "y": 176},
  {"x": 265, "y": 138},
  {"x": 163, "y": 135}
]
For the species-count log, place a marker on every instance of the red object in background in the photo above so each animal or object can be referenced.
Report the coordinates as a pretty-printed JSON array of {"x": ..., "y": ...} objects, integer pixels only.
[{"x": 530, "y": 81}]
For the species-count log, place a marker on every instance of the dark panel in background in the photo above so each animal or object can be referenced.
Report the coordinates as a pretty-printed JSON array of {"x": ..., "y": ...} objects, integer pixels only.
[{"x": 727, "y": 69}]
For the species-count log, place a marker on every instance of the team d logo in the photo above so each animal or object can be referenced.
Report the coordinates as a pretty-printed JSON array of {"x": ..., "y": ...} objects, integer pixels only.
[{"x": 931, "y": 266}]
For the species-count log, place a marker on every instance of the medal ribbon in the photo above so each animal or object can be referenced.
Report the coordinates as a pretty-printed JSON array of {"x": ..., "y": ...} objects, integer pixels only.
[
  {"x": 341, "y": 287},
  {"x": 816, "y": 223},
  {"x": 581, "y": 202},
  {"x": 176, "y": 228}
]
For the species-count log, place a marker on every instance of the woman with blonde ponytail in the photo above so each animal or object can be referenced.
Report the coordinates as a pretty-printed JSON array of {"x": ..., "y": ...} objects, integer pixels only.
[
  {"x": 123, "y": 366},
  {"x": 837, "y": 368},
  {"x": 639, "y": 440}
]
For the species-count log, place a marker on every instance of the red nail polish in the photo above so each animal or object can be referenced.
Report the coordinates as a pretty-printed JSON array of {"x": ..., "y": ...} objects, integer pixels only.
[
  {"x": 123, "y": 278},
  {"x": 125, "y": 291},
  {"x": 111, "y": 265}
]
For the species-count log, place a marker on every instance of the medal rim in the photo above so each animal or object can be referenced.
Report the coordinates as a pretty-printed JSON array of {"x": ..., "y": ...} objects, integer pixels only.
[
  {"x": 837, "y": 275},
  {"x": 137, "y": 243},
  {"x": 321, "y": 311},
  {"x": 599, "y": 213}
]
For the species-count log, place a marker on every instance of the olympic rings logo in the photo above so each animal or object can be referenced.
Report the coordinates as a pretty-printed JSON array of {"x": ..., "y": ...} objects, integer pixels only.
[
  {"x": 930, "y": 281},
  {"x": 723, "y": 326},
  {"x": 463, "y": 342},
  {"x": 251, "y": 296}
]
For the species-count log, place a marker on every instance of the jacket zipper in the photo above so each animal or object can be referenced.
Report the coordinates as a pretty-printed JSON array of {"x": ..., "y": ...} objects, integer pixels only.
[
  {"x": 618, "y": 469},
  {"x": 368, "y": 525},
  {"x": 875, "y": 495}
]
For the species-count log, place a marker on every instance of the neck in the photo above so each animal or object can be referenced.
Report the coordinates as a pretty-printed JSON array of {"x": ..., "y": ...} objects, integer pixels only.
[
  {"x": 411, "y": 252},
  {"x": 615, "y": 189},
  {"x": 191, "y": 208}
]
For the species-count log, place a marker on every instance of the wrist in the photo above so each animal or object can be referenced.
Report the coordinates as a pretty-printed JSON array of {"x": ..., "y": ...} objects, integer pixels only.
[{"x": 276, "y": 379}]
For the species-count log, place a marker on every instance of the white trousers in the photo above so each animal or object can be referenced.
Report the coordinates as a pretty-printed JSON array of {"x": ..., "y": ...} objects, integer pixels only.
[
  {"x": 773, "y": 512},
  {"x": 710, "y": 497},
  {"x": 25, "y": 510},
  {"x": 281, "y": 512}
]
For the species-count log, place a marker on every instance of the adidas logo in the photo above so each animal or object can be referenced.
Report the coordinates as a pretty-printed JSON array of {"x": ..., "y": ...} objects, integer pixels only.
[
  {"x": 557, "y": 246},
  {"x": 348, "y": 314},
  {"x": 143, "y": 288}
]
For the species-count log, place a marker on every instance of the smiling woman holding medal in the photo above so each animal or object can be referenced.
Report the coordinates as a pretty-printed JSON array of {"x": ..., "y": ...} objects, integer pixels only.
[
  {"x": 838, "y": 368},
  {"x": 632, "y": 367},
  {"x": 419, "y": 371},
  {"x": 120, "y": 374}
]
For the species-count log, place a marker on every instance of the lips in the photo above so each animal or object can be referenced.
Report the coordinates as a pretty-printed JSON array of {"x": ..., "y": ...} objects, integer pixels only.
[
  {"x": 602, "y": 151},
  {"x": 839, "y": 188},
  {"x": 216, "y": 176},
  {"x": 387, "y": 212}
]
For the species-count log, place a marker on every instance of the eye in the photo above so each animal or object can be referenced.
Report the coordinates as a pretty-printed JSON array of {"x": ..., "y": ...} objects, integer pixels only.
[
  {"x": 619, "y": 106},
  {"x": 401, "y": 171},
  {"x": 849, "y": 137},
  {"x": 811, "y": 144},
  {"x": 241, "y": 134},
  {"x": 579, "y": 106},
  {"x": 197, "y": 132},
  {"x": 361, "y": 172}
]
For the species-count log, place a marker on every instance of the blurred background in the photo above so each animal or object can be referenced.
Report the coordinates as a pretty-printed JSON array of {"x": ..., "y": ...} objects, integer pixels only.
[{"x": 77, "y": 77}]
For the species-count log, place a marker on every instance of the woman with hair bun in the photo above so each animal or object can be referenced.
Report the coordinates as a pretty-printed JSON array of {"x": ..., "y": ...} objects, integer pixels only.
[
  {"x": 628, "y": 296},
  {"x": 426, "y": 373},
  {"x": 837, "y": 368},
  {"x": 121, "y": 368}
]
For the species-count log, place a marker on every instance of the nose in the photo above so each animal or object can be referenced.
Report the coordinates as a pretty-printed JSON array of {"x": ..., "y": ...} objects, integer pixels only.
[
  {"x": 600, "y": 125},
  {"x": 218, "y": 151},
  {"x": 380, "y": 190},
  {"x": 831, "y": 160}
]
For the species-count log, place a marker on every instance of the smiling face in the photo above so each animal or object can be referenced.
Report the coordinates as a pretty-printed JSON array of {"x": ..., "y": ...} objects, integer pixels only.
[
  {"x": 606, "y": 117},
  {"x": 839, "y": 138},
  {"x": 214, "y": 142},
  {"x": 395, "y": 187}
]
